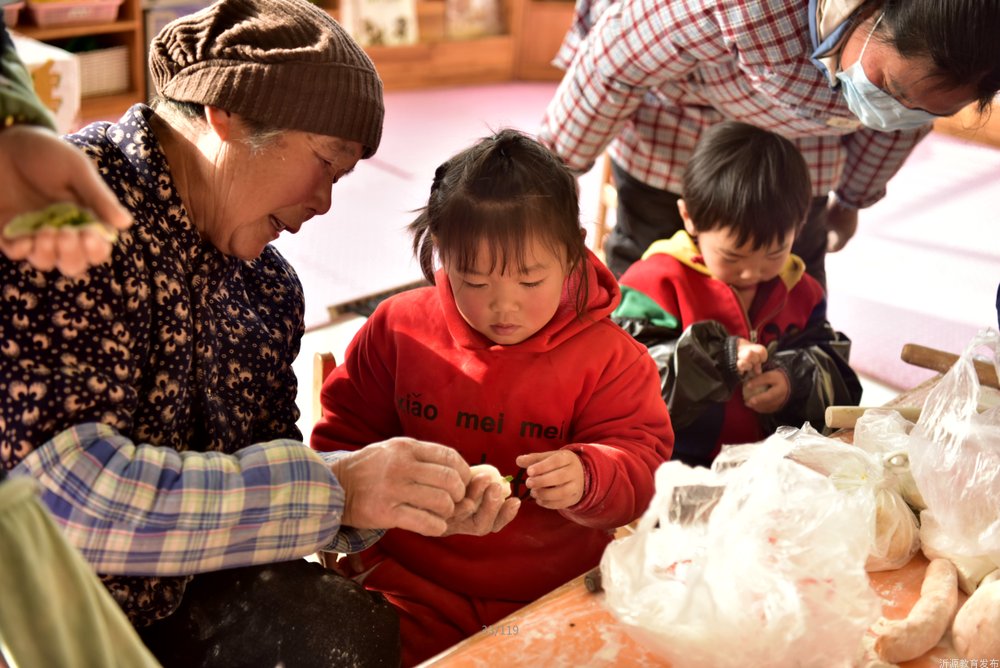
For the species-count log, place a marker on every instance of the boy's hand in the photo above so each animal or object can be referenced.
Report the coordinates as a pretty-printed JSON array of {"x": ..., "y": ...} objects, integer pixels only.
[
  {"x": 554, "y": 478},
  {"x": 750, "y": 357},
  {"x": 767, "y": 392}
]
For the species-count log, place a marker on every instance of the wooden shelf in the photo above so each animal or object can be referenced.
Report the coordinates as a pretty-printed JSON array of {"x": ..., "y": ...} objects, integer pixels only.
[
  {"x": 446, "y": 63},
  {"x": 544, "y": 24},
  {"x": 109, "y": 107},
  {"x": 127, "y": 30},
  {"x": 78, "y": 30},
  {"x": 535, "y": 29}
]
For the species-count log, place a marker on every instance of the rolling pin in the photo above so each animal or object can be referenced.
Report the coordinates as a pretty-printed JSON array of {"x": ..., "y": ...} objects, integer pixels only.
[
  {"x": 845, "y": 417},
  {"x": 940, "y": 361}
]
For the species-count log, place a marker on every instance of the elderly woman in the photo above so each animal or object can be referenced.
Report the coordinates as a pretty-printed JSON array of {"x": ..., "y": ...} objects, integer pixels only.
[{"x": 153, "y": 397}]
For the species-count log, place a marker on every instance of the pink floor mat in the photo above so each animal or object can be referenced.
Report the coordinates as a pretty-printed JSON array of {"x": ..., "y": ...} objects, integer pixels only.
[{"x": 923, "y": 267}]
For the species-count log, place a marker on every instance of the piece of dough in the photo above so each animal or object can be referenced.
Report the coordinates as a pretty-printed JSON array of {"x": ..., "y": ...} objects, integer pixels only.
[
  {"x": 493, "y": 474},
  {"x": 976, "y": 632},
  {"x": 905, "y": 639}
]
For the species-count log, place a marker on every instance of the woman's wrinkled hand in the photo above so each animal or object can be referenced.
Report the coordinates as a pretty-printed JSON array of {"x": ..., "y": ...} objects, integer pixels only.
[
  {"x": 485, "y": 508},
  {"x": 402, "y": 483}
]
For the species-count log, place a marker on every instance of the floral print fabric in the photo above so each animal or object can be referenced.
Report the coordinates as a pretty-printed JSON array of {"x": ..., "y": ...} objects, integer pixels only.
[{"x": 172, "y": 343}]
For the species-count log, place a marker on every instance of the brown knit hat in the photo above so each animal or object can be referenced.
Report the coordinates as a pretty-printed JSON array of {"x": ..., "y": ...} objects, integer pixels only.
[{"x": 282, "y": 63}]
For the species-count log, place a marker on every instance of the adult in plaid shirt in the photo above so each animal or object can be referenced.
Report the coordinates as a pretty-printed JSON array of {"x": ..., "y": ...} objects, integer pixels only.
[{"x": 855, "y": 85}]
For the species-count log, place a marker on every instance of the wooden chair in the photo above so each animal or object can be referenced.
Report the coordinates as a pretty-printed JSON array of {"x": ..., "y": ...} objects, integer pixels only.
[
  {"x": 607, "y": 199},
  {"x": 323, "y": 364}
]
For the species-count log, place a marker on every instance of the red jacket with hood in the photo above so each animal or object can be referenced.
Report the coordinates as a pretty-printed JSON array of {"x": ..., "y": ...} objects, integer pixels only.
[{"x": 417, "y": 369}]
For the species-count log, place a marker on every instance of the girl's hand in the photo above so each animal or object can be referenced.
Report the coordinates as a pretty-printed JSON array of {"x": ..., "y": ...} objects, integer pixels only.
[
  {"x": 767, "y": 392},
  {"x": 750, "y": 357},
  {"x": 554, "y": 478}
]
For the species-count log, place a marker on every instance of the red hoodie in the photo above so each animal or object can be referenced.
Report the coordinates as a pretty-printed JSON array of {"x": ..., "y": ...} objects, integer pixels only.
[{"x": 418, "y": 369}]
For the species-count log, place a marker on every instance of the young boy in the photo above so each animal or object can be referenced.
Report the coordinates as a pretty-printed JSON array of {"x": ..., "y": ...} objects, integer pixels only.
[{"x": 737, "y": 328}]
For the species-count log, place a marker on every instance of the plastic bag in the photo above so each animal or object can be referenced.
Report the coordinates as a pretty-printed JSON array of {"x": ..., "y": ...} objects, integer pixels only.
[
  {"x": 955, "y": 457},
  {"x": 759, "y": 564},
  {"x": 971, "y": 570},
  {"x": 893, "y": 530},
  {"x": 886, "y": 433}
]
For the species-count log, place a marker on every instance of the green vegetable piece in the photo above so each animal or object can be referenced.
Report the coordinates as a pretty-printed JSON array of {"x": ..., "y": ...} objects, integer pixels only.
[
  {"x": 56, "y": 216},
  {"x": 508, "y": 478}
]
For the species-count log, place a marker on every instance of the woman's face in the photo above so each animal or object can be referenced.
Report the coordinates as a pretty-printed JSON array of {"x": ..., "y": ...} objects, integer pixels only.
[
  {"x": 509, "y": 306},
  {"x": 258, "y": 194},
  {"x": 904, "y": 79}
]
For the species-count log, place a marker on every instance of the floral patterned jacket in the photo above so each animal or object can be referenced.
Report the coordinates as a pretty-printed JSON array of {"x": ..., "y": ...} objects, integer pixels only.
[{"x": 171, "y": 343}]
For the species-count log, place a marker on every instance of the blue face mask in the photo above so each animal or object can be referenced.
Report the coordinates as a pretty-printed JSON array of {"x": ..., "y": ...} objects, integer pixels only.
[{"x": 873, "y": 106}]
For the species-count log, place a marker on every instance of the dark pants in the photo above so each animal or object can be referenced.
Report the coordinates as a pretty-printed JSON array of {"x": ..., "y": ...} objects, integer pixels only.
[
  {"x": 646, "y": 214},
  {"x": 291, "y": 614}
]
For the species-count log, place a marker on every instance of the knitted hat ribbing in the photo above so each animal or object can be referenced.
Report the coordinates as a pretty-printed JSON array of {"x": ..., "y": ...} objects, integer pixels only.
[{"x": 282, "y": 63}]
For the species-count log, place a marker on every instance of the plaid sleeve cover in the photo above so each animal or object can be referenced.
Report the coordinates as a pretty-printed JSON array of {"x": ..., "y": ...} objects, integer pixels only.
[{"x": 143, "y": 510}]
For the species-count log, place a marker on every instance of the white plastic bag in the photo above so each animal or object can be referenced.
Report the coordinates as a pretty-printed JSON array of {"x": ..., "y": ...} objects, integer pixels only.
[
  {"x": 886, "y": 433},
  {"x": 760, "y": 564},
  {"x": 893, "y": 530},
  {"x": 955, "y": 457}
]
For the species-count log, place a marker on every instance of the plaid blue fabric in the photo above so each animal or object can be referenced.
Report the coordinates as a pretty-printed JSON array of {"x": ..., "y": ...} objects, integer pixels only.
[
  {"x": 144, "y": 510},
  {"x": 646, "y": 77}
]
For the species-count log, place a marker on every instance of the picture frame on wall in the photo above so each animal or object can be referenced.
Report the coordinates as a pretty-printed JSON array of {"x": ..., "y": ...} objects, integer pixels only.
[
  {"x": 380, "y": 22},
  {"x": 469, "y": 19}
]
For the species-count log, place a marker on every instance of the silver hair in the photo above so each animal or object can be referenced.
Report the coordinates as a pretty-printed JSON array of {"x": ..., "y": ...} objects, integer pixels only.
[{"x": 259, "y": 136}]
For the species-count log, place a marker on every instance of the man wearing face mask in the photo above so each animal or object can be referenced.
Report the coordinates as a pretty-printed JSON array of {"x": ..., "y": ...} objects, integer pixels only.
[{"x": 854, "y": 84}]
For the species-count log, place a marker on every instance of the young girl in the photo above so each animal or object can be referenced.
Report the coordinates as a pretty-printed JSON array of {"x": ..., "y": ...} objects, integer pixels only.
[{"x": 511, "y": 359}]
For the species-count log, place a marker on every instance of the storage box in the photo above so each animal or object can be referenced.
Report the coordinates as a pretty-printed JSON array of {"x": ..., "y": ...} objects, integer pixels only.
[
  {"x": 55, "y": 74},
  {"x": 54, "y": 13},
  {"x": 104, "y": 71},
  {"x": 10, "y": 13}
]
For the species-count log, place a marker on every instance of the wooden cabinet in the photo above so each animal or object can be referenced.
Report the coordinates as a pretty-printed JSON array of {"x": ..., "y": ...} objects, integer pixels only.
[
  {"x": 126, "y": 31},
  {"x": 533, "y": 32},
  {"x": 534, "y": 29},
  {"x": 543, "y": 25}
]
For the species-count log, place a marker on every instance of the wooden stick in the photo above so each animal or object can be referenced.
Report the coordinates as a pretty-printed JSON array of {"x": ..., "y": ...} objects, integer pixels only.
[
  {"x": 940, "y": 361},
  {"x": 845, "y": 417}
]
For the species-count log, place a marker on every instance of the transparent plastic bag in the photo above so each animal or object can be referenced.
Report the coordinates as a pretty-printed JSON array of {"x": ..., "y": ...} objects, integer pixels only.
[
  {"x": 759, "y": 564},
  {"x": 971, "y": 570},
  {"x": 955, "y": 457},
  {"x": 886, "y": 433},
  {"x": 893, "y": 530}
]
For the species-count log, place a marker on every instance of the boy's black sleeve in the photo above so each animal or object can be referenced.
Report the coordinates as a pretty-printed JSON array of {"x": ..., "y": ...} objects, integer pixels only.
[
  {"x": 815, "y": 360},
  {"x": 697, "y": 364}
]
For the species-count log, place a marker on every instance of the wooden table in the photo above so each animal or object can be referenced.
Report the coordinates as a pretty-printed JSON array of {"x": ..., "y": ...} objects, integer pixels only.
[{"x": 572, "y": 627}]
